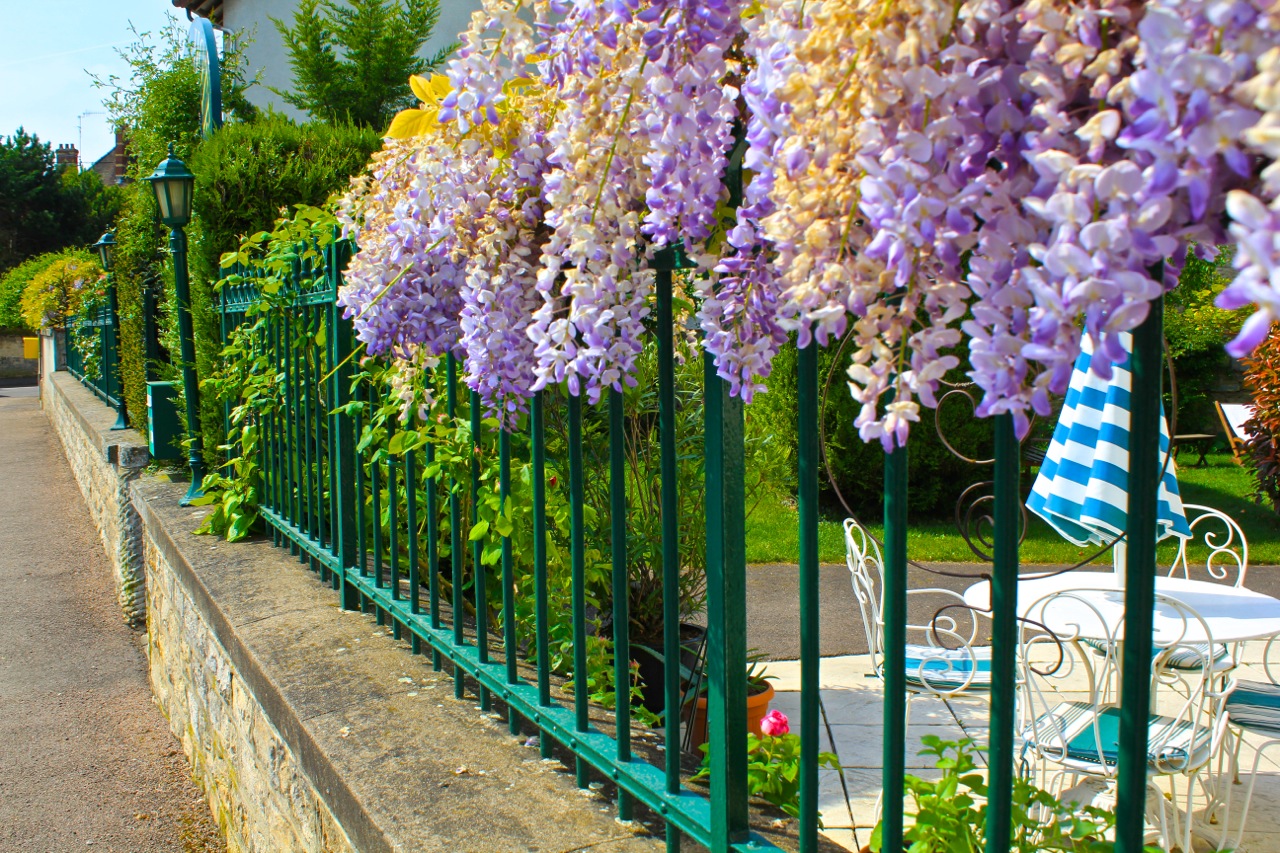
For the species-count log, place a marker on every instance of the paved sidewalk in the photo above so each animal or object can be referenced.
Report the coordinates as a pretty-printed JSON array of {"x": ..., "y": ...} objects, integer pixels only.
[
  {"x": 851, "y": 713},
  {"x": 86, "y": 760}
]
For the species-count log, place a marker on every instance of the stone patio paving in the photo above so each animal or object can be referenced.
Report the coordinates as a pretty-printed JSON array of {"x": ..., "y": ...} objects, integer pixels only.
[{"x": 851, "y": 708}]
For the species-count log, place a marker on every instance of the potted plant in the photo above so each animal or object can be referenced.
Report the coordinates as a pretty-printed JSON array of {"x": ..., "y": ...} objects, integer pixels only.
[
  {"x": 642, "y": 445},
  {"x": 773, "y": 763},
  {"x": 759, "y": 695}
]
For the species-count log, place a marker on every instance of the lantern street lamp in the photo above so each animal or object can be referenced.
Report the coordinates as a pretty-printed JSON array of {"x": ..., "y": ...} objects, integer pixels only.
[
  {"x": 172, "y": 182},
  {"x": 106, "y": 248}
]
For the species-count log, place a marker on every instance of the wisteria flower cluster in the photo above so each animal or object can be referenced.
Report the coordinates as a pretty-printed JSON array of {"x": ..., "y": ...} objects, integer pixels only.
[{"x": 920, "y": 178}]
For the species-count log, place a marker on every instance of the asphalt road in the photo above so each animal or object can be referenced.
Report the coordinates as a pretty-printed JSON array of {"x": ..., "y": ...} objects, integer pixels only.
[{"x": 86, "y": 760}]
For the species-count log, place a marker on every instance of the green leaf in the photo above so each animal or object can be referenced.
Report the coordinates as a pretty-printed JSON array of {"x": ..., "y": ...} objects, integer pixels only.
[
  {"x": 479, "y": 530},
  {"x": 396, "y": 445}
]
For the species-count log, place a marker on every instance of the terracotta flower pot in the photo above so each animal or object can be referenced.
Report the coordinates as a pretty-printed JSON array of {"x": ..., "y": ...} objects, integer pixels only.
[{"x": 757, "y": 707}]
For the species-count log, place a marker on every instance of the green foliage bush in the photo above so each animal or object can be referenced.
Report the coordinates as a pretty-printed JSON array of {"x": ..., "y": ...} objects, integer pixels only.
[
  {"x": 44, "y": 208},
  {"x": 13, "y": 284},
  {"x": 247, "y": 175},
  {"x": 352, "y": 61},
  {"x": 1196, "y": 331},
  {"x": 137, "y": 263}
]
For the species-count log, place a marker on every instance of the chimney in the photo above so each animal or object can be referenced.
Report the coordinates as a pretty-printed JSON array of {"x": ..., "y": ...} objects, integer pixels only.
[
  {"x": 120, "y": 157},
  {"x": 66, "y": 157}
]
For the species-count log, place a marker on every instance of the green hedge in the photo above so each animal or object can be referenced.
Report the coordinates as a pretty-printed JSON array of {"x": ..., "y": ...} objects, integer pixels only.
[
  {"x": 247, "y": 175},
  {"x": 936, "y": 477},
  {"x": 137, "y": 260},
  {"x": 158, "y": 100}
]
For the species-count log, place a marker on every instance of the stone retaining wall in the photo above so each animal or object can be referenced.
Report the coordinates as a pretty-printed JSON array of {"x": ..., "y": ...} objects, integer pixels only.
[
  {"x": 254, "y": 785},
  {"x": 104, "y": 463},
  {"x": 310, "y": 728}
]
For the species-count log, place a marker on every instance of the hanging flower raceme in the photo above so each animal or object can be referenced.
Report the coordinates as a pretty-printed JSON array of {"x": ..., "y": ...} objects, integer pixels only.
[
  {"x": 400, "y": 289},
  {"x": 919, "y": 172},
  {"x": 1255, "y": 213},
  {"x": 1126, "y": 187},
  {"x": 688, "y": 115},
  {"x": 499, "y": 221},
  {"x": 876, "y": 188},
  {"x": 595, "y": 290},
  {"x": 739, "y": 312}
]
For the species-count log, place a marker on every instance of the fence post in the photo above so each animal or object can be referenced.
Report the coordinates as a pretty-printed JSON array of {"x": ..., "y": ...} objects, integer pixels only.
[
  {"x": 1140, "y": 578},
  {"x": 670, "y": 538},
  {"x": 895, "y": 639},
  {"x": 807, "y": 503},
  {"x": 1004, "y": 637},
  {"x": 223, "y": 332},
  {"x": 342, "y": 433},
  {"x": 726, "y": 612},
  {"x": 113, "y": 365}
]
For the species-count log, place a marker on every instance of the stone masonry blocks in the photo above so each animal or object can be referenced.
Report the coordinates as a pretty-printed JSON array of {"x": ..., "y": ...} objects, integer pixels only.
[{"x": 256, "y": 790}]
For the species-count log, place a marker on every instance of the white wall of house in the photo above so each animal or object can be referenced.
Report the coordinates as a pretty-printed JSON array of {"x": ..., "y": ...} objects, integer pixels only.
[{"x": 268, "y": 59}]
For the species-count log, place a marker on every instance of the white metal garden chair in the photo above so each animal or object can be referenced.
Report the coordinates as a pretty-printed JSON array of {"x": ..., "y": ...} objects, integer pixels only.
[
  {"x": 945, "y": 661},
  {"x": 1253, "y": 707},
  {"x": 1216, "y": 551},
  {"x": 1073, "y": 730}
]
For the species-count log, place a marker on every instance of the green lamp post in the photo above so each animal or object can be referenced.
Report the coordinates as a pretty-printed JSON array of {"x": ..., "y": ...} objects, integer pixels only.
[
  {"x": 173, "y": 182},
  {"x": 106, "y": 249}
]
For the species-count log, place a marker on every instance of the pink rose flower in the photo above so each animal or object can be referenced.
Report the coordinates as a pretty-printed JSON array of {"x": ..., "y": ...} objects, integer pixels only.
[{"x": 775, "y": 723}]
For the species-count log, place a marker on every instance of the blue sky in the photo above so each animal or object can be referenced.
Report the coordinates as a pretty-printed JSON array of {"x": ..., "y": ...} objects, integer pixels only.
[{"x": 48, "y": 48}]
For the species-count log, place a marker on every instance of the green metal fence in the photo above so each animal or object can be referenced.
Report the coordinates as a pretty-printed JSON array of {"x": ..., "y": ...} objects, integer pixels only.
[
  {"x": 93, "y": 354},
  {"x": 374, "y": 524}
]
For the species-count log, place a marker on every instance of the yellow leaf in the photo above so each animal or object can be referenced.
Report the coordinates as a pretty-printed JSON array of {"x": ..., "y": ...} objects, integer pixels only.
[
  {"x": 512, "y": 87},
  {"x": 430, "y": 91},
  {"x": 419, "y": 86},
  {"x": 410, "y": 123}
]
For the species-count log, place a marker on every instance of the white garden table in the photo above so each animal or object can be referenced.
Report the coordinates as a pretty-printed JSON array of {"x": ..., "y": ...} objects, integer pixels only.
[
  {"x": 1231, "y": 614},
  {"x": 1093, "y": 609}
]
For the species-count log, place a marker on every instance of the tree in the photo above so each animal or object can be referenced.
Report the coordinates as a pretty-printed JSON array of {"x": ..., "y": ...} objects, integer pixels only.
[
  {"x": 55, "y": 293},
  {"x": 42, "y": 208},
  {"x": 352, "y": 64},
  {"x": 31, "y": 198}
]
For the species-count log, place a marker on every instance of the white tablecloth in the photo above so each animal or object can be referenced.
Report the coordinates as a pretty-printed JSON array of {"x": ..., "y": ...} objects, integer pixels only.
[{"x": 1230, "y": 613}]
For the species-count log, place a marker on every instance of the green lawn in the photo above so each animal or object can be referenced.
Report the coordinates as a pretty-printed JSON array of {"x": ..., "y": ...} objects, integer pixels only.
[{"x": 772, "y": 530}]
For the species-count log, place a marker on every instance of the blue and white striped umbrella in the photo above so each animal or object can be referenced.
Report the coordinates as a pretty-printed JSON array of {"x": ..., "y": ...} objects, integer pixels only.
[{"x": 1083, "y": 486}]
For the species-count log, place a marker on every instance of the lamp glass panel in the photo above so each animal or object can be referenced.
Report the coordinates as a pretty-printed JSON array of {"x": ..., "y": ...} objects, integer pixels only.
[
  {"x": 162, "y": 199},
  {"x": 181, "y": 199}
]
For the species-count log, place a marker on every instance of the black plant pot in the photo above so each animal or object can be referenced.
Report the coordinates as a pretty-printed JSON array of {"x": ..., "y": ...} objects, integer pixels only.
[{"x": 653, "y": 669}]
